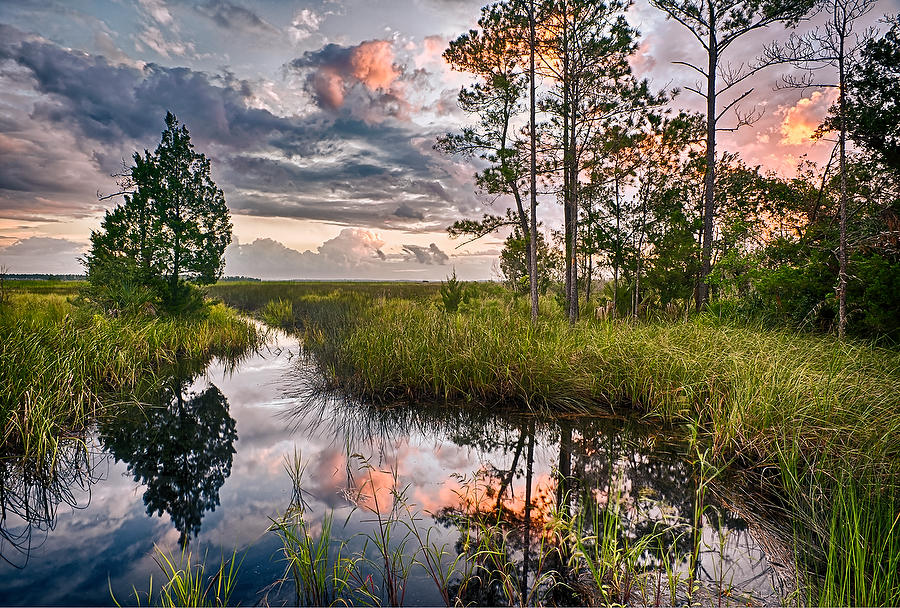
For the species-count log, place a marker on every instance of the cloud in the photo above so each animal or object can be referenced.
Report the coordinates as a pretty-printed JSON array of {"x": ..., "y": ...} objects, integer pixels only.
[
  {"x": 365, "y": 80},
  {"x": 800, "y": 121},
  {"x": 42, "y": 255},
  {"x": 235, "y": 18},
  {"x": 304, "y": 24},
  {"x": 157, "y": 11},
  {"x": 406, "y": 211},
  {"x": 353, "y": 251},
  {"x": 111, "y": 103},
  {"x": 427, "y": 255},
  {"x": 77, "y": 115}
]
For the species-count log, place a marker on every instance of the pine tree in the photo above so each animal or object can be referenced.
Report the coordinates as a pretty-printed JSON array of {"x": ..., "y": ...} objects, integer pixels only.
[{"x": 173, "y": 227}]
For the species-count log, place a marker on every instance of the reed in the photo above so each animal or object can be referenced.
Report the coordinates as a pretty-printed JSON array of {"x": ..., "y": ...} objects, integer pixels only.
[
  {"x": 189, "y": 583},
  {"x": 61, "y": 366}
]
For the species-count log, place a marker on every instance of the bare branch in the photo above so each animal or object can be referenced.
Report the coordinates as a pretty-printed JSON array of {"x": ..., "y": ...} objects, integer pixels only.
[
  {"x": 692, "y": 66},
  {"x": 733, "y": 103}
]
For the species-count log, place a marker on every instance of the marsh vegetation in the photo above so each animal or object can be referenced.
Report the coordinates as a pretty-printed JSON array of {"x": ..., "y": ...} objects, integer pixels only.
[{"x": 807, "y": 416}]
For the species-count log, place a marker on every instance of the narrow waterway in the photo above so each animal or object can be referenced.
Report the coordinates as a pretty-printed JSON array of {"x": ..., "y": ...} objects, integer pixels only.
[{"x": 206, "y": 468}]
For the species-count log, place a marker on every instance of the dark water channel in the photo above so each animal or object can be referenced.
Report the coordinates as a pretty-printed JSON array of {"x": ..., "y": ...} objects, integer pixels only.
[{"x": 206, "y": 469}]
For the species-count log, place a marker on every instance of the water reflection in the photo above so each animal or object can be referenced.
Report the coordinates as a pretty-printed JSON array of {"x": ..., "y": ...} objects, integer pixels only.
[
  {"x": 32, "y": 490},
  {"x": 180, "y": 448},
  {"x": 522, "y": 484},
  {"x": 565, "y": 510}
]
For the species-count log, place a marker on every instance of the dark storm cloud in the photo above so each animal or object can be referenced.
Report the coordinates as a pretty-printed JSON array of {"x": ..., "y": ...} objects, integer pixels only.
[
  {"x": 233, "y": 17},
  {"x": 337, "y": 168},
  {"x": 427, "y": 255},
  {"x": 109, "y": 103}
]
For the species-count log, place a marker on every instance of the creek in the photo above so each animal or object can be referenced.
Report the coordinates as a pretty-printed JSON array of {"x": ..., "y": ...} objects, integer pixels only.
[{"x": 206, "y": 467}]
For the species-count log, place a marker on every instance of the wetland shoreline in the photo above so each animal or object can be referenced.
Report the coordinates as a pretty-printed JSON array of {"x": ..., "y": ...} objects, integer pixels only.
[{"x": 812, "y": 417}]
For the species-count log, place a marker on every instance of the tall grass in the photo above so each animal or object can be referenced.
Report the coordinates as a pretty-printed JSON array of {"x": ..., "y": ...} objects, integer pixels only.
[
  {"x": 189, "y": 583},
  {"x": 824, "y": 414},
  {"x": 61, "y": 366}
]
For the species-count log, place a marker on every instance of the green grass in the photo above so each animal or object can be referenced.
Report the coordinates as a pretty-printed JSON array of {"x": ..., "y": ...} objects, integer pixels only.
[
  {"x": 823, "y": 414},
  {"x": 61, "y": 366},
  {"x": 189, "y": 583}
]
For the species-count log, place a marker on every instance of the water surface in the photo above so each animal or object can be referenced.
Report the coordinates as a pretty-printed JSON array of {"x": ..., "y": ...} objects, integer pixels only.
[{"x": 205, "y": 469}]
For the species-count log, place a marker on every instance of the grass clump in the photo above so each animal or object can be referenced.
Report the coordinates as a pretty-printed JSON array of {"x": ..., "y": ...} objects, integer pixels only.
[
  {"x": 279, "y": 313},
  {"x": 188, "y": 583},
  {"x": 60, "y": 363}
]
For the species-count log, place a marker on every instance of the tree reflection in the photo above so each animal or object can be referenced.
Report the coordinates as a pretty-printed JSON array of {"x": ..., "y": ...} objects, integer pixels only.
[
  {"x": 31, "y": 491},
  {"x": 554, "y": 492},
  {"x": 180, "y": 448}
]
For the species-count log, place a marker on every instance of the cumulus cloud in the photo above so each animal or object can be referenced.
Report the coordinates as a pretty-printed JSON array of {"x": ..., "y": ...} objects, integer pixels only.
[
  {"x": 365, "y": 80},
  {"x": 42, "y": 255},
  {"x": 427, "y": 255},
  {"x": 304, "y": 24},
  {"x": 800, "y": 121},
  {"x": 353, "y": 252}
]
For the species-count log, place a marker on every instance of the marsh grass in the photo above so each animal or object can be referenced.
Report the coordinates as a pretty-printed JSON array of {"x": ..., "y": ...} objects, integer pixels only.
[
  {"x": 822, "y": 414},
  {"x": 61, "y": 366},
  {"x": 188, "y": 582},
  {"x": 279, "y": 313}
]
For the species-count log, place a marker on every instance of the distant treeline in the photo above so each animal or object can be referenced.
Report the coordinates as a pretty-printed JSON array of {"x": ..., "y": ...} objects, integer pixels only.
[
  {"x": 238, "y": 278},
  {"x": 45, "y": 277}
]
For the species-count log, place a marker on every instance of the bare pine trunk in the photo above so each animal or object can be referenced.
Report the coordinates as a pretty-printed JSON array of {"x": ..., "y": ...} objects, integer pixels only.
[
  {"x": 532, "y": 240},
  {"x": 842, "y": 272},
  {"x": 710, "y": 181}
]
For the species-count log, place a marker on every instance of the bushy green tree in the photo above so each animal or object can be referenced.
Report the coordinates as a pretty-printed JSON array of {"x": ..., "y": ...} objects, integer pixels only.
[
  {"x": 873, "y": 97},
  {"x": 514, "y": 263},
  {"x": 173, "y": 227}
]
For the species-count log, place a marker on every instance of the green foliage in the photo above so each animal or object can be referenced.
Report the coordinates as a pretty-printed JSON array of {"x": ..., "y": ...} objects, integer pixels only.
[
  {"x": 61, "y": 366},
  {"x": 873, "y": 92},
  {"x": 189, "y": 584},
  {"x": 514, "y": 263},
  {"x": 455, "y": 293},
  {"x": 173, "y": 227},
  {"x": 279, "y": 313}
]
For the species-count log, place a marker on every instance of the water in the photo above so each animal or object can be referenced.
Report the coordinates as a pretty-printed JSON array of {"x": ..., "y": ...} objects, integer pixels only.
[{"x": 207, "y": 470}]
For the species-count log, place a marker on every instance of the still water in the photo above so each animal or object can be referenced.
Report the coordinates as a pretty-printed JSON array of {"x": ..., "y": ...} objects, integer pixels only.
[{"x": 206, "y": 468}]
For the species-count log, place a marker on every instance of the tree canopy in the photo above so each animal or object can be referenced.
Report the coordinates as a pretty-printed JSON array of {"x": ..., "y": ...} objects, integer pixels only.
[{"x": 173, "y": 227}]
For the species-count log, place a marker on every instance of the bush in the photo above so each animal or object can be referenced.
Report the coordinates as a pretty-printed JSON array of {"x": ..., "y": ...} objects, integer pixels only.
[{"x": 454, "y": 293}]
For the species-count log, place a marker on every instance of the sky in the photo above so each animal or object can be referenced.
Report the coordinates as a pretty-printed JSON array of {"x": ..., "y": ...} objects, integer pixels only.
[{"x": 319, "y": 118}]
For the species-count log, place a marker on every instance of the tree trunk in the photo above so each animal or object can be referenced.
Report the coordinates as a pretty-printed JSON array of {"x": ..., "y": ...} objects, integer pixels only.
[
  {"x": 573, "y": 193},
  {"x": 526, "y": 533},
  {"x": 532, "y": 237},
  {"x": 567, "y": 175},
  {"x": 618, "y": 253},
  {"x": 842, "y": 254},
  {"x": 710, "y": 180}
]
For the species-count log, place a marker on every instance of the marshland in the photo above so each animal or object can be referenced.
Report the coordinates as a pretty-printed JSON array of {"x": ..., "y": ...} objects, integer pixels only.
[
  {"x": 328, "y": 442},
  {"x": 532, "y": 303}
]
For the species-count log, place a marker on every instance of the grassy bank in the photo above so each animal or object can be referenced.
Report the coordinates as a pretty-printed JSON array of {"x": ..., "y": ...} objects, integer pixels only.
[
  {"x": 61, "y": 366},
  {"x": 753, "y": 391},
  {"x": 816, "y": 418}
]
